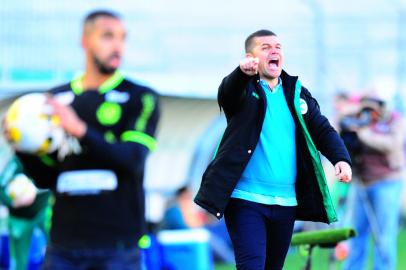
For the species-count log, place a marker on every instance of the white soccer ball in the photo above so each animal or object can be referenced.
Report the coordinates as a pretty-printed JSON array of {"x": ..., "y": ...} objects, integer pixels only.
[{"x": 31, "y": 126}]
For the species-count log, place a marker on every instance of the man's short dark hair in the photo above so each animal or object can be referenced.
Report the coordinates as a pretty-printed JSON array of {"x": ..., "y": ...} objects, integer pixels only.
[
  {"x": 94, "y": 15},
  {"x": 259, "y": 33},
  {"x": 181, "y": 191}
]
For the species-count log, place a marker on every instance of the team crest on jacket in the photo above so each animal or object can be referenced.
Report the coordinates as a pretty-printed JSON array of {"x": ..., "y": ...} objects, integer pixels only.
[{"x": 303, "y": 106}]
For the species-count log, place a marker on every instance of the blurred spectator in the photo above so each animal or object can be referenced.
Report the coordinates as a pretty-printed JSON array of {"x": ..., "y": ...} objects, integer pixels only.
[
  {"x": 182, "y": 213},
  {"x": 375, "y": 138},
  {"x": 345, "y": 104},
  {"x": 28, "y": 208}
]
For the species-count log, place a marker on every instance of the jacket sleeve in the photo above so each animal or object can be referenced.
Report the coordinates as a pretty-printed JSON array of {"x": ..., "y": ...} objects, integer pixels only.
[
  {"x": 136, "y": 139},
  {"x": 232, "y": 91},
  {"x": 42, "y": 169},
  {"x": 325, "y": 137}
]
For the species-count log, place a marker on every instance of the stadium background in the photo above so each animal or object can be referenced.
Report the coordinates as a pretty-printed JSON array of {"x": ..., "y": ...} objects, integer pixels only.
[{"x": 184, "y": 48}]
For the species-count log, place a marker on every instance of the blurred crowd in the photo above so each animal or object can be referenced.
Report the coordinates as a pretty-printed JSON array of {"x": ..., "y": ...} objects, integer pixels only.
[{"x": 373, "y": 131}]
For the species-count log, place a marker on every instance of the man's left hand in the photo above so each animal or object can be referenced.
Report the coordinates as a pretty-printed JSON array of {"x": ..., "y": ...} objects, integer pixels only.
[{"x": 343, "y": 171}]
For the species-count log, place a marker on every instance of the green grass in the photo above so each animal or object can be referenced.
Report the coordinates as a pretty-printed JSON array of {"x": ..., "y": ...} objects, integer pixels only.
[{"x": 295, "y": 261}]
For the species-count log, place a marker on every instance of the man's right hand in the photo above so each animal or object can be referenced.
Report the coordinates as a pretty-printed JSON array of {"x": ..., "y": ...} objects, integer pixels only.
[
  {"x": 249, "y": 65},
  {"x": 70, "y": 121}
]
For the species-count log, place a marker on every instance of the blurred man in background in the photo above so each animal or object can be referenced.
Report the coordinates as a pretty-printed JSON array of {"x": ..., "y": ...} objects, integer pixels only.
[
  {"x": 182, "y": 214},
  {"x": 98, "y": 215},
  {"x": 266, "y": 172},
  {"x": 375, "y": 138}
]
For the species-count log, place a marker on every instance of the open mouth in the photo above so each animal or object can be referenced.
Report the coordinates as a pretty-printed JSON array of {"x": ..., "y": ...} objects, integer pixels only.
[{"x": 273, "y": 63}]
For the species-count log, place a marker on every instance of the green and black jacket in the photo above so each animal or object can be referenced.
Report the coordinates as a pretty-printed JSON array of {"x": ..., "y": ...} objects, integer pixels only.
[
  {"x": 122, "y": 117},
  {"x": 244, "y": 103}
]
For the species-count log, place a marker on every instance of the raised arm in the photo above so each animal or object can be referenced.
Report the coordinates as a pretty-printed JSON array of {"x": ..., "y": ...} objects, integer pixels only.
[{"x": 232, "y": 90}]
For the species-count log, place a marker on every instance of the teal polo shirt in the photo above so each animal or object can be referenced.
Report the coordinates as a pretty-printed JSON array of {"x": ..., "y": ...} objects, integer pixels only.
[{"x": 270, "y": 175}]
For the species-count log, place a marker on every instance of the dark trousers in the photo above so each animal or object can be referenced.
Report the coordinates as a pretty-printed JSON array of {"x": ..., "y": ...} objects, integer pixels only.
[
  {"x": 260, "y": 233},
  {"x": 58, "y": 258}
]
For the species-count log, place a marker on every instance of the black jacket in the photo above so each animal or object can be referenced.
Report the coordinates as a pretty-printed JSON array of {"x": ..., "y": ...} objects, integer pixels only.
[{"x": 244, "y": 103}]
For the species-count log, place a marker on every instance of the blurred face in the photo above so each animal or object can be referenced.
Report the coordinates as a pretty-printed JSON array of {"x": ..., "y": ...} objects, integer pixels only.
[
  {"x": 103, "y": 41},
  {"x": 269, "y": 52}
]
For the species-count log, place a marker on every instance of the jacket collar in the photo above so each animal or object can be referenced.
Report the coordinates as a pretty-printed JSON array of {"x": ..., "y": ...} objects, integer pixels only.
[
  {"x": 288, "y": 82},
  {"x": 109, "y": 84}
]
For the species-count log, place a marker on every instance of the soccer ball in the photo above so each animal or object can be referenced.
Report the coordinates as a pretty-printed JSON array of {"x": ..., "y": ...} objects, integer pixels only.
[{"x": 31, "y": 126}]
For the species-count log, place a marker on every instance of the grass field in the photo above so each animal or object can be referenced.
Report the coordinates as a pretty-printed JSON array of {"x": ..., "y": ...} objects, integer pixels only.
[{"x": 294, "y": 261}]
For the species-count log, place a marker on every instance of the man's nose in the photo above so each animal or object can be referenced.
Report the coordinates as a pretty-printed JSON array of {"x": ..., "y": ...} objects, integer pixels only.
[{"x": 118, "y": 45}]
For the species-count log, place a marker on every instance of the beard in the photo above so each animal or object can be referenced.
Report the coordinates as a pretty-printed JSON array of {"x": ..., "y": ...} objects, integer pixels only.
[{"x": 103, "y": 67}]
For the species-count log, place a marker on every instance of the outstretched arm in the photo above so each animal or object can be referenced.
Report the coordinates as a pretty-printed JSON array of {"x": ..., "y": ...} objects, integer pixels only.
[{"x": 232, "y": 90}]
